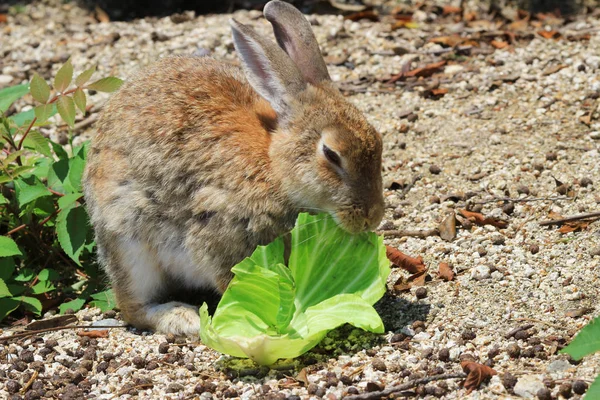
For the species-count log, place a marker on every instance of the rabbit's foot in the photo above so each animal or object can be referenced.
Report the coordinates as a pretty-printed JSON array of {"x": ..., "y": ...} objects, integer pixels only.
[{"x": 174, "y": 317}]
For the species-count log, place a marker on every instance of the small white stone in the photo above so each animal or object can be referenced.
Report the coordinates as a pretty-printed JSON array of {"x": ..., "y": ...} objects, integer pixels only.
[
  {"x": 529, "y": 272},
  {"x": 454, "y": 353},
  {"x": 495, "y": 139},
  {"x": 497, "y": 275},
  {"x": 528, "y": 386},
  {"x": 421, "y": 336},
  {"x": 5, "y": 79},
  {"x": 480, "y": 272},
  {"x": 453, "y": 69}
]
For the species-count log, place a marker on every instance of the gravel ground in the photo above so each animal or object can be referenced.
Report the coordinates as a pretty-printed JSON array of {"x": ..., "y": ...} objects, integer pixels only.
[{"x": 509, "y": 127}]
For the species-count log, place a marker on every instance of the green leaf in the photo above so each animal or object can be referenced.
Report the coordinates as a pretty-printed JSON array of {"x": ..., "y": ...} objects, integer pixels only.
[
  {"x": 84, "y": 77},
  {"x": 26, "y": 193},
  {"x": 72, "y": 229},
  {"x": 104, "y": 300},
  {"x": 23, "y": 118},
  {"x": 39, "y": 89},
  {"x": 44, "y": 111},
  {"x": 42, "y": 287},
  {"x": 586, "y": 342},
  {"x": 270, "y": 312},
  {"x": 66, "y": 108},
  {"x": 7, "y": 305},
  {"x": 24, "y": 275},
  {"x": 8, "y": 247},
  {"x": 32, "y": 304},
  {"x": 60, "y": 152},
  {"x": 36, "y": 141},
  {"x": 4, "y": 292},
  {"x": 7, "y": 267},
  {"x": 16, "y": 290},
  {"x": 594, "y": 390},
  {"x": 80, "y": 100},
  {"x": 48, "y": 274},
  {"x": 69, "y": 200},
  {"x": 76, "y": 169},
  {"x": 108, "y": 84},
  {"x": 11, "y": 94},
  {"x": 63, "y": 77},
  {"x": 3, "y": 200},
  {"x": 74, "y": 305}
]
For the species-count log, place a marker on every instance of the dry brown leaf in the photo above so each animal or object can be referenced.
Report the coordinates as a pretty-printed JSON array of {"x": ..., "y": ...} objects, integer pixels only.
[
  {"x": 549, "y": 34},
  {"x": 3, "y": 18},
  {"x": 519, "y": 25},
  {"x": 99, "y": 333},
  {"x": 480, "y": 219},
  {"x": 554, "y": 69},
  {"x": 447, "y": 10},
  {"x": 407, "y": 263},
  {"x": 101, "y": 15},
  {"x": 439, "y": 92},
  {"x": 417, "y": 279},
  {"x": 447, "y": 227},
  {"x": 368, "y": 14},
  {"x": 302, "y": 377},
  {"x": 573, "y": 226},
  {"x": 449, "y": 41},
  {"x": 476, "y": 373},
  {"x": 499, "y": 44},
  {"x": 445, "y": 272}
]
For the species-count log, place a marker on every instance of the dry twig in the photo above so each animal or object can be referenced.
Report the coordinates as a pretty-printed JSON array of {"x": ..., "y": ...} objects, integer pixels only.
[
  {"x": 571, "y": 218},
  {"x": 398, "y": 233},
  {"x": 405, "y": 386},
  {"x": 57, "y": 328}
]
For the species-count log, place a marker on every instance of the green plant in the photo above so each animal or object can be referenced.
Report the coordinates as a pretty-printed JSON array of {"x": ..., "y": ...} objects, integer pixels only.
[
  {"x": 47, "y": 246},
  {"x": 587, "y": 342},
  {"x": 270, "y": 311}
]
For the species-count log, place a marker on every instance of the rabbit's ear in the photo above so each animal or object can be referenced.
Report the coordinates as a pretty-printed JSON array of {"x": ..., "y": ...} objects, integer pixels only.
[
  {"x": 269, "y": 70},
  {"x": 294, "y": 35}
]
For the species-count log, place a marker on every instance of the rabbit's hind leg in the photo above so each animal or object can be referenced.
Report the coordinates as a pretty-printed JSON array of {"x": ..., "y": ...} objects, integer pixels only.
[{"x": 139, "y": 282}]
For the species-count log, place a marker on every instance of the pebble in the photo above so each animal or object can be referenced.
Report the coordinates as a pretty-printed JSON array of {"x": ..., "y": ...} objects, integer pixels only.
[
  {"x": 480, "y": 272},
  {"x": 5, "y": 79},
  {"x": 528, "y": 386}
]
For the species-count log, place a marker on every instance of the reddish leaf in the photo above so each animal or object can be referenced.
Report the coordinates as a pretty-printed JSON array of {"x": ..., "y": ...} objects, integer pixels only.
[
  {"x": 3, "y": 18},
  {"x": 368, "y": 14},
  {"x": 499, "y": 44},
  {"x": 479, "y": 219},
  {"x": 447, "y": 10},
  {"x": 445, "y": 272},
  {"x": 549, "y": 34},
  {"x": 94, "y": 334},
  {"x": 476, "y": 373},
  {"x": 426, "y": 70},
  {"x": 410, "y": 264},
  {"x": 574, "y": 226}
]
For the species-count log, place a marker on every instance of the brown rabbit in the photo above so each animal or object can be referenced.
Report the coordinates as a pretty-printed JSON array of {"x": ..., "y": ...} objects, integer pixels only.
[{"x": 197, "y": 162}]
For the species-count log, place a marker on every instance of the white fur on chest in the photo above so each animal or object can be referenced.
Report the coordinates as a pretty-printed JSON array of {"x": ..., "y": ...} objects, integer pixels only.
[{"x": 152, "y": 267}]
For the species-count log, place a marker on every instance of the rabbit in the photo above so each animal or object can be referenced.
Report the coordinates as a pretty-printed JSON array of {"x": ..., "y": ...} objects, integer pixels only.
[{"x": 196, "y": 162}]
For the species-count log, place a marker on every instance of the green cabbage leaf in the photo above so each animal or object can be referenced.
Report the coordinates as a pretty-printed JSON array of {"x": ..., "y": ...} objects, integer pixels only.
[{"x": 270, "y": 311}]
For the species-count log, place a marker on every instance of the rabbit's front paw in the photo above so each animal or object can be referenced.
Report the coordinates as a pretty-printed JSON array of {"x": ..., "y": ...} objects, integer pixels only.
[{"x": 176, "y": 318}]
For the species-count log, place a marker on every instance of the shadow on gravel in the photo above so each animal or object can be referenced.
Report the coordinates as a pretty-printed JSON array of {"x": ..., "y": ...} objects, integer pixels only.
[{"x": 397, "y": 313}]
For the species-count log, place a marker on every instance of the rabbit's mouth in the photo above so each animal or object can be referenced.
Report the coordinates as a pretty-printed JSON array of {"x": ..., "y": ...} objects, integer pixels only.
[{"x": 357, "y": 219}]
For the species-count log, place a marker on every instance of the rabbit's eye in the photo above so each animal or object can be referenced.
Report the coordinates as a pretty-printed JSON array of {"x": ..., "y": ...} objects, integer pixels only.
[{"x": 332, "y": 156}]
